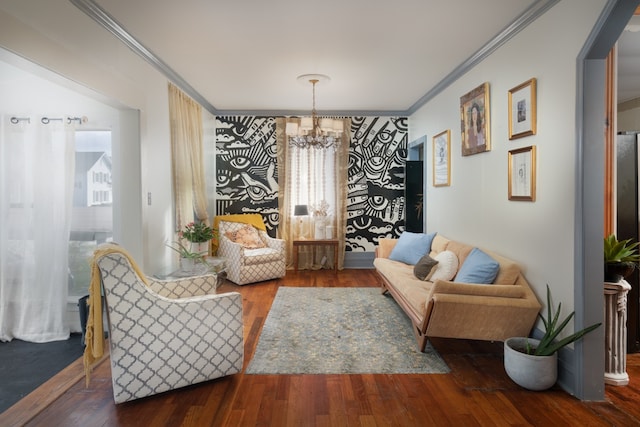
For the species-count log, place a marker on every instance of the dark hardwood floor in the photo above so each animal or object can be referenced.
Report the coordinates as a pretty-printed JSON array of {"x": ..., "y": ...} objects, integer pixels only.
[{"x": 476, "y": 392}]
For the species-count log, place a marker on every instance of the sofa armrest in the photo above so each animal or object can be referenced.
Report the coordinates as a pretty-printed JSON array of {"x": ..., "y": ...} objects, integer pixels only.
[
  {"x": 385, "y": 246},
  {"x": 486, "y": 301},
  {"x": 456, "y": 288},
  {"x": 488, "y": 318}
]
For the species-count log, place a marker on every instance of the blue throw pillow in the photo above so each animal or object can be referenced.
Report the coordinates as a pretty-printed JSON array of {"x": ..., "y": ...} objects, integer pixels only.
[
  {"x": 411, "y": 247},
  {"x": 478, "y": 268}
]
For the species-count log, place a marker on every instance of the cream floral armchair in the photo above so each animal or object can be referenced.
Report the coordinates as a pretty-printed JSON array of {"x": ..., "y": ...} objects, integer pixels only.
[
  {"x": 167, "y": 334},
  {"x": 251, "y": 254}
]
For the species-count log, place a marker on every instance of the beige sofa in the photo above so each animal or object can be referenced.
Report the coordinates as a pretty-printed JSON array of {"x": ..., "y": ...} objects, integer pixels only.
[{"x": 494, "y": 312}]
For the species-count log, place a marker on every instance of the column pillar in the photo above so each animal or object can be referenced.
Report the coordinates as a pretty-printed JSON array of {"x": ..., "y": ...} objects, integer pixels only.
[{"x": 615, "y": 336}]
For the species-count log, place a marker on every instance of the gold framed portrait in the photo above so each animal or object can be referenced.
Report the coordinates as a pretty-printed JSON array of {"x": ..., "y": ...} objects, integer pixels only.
[
  {"x": 522, "y": 110},
  {"x": 475, "y": 123}
]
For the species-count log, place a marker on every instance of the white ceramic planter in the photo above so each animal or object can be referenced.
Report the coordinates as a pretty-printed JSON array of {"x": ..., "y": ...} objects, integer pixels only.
[
  {"x": 200, "y": 247},
  {"x": 187, "y": 264},
  {"x": 528, "y": 371}
]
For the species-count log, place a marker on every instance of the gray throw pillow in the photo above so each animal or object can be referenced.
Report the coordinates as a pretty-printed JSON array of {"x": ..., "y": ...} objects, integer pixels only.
[{"x": 423, "y": 267}]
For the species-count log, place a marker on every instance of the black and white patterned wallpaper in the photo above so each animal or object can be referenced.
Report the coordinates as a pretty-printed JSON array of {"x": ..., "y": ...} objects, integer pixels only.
[
  {"x": 247, "y": 174},
  {"x": 247, "y": 168},
  {"x": 376, "y": 181}
]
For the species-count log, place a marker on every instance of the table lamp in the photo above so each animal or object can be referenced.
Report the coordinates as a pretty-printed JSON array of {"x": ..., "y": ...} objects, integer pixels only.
[{"x": 300, "y": 210}]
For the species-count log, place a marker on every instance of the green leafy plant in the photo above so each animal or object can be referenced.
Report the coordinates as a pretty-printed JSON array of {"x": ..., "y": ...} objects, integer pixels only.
[
  {"x": 186, "y": 253},
  {"x": 620, "y": 250},
  {"x": 197, "y": 232},
  {"x": 548, "y": 345}
]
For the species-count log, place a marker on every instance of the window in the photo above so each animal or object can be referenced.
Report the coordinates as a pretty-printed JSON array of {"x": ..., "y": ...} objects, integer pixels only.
[{"x": 92, "y": 217}]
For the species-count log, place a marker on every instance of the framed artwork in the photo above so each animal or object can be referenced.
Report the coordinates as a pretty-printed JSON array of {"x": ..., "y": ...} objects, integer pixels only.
[
  {"x": 522, "y": 110},
  {"x": 522, "y": 174},
  {"x": 442, "y": 159},
  {"x": 475, "y": 121}
]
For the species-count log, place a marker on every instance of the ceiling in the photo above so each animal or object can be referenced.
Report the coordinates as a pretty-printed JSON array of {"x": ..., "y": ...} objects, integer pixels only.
[
  {"x": 245, "y": 55},
  {"x": 379, "y": 55}
]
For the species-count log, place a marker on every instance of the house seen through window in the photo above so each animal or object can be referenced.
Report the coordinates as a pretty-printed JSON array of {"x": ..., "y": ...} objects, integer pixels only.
[{"x": 92, "y": 214}]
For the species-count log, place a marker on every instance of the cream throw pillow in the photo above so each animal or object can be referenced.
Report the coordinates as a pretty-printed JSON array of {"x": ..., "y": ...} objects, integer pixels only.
[
  {"x": 446, "y": 268},
  {"x": 247, "y": 236}
]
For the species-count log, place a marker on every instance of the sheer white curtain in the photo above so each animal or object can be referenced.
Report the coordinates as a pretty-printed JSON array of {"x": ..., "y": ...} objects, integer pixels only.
[{"x": 36, "y": 190}]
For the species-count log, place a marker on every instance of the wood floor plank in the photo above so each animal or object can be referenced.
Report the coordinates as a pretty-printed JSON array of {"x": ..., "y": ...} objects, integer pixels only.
[{"x": 477, "y": 391}]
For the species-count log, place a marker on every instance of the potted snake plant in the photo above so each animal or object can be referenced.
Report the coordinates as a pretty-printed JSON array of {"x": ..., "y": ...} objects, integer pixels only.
[
  {"x": 532, "y": 363},
  {"x": 620, "y": 258}
]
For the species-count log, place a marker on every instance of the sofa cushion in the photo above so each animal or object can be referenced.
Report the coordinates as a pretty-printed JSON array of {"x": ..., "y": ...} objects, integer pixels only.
[
  {"x": 446, "y": 268},
  {"x": 478, "y": 268},
  {"x": 461, "y": 250},
  {"x": 422, "y": 269},
  {"x": 261, "y": 256},
  {"x": 411, "y": 247},
  {"x": 439, "y": 244},
  {"x": 509, "y": 270},
  {"x": 385, "y": 246},
  {"x": 415, "y": 291}
]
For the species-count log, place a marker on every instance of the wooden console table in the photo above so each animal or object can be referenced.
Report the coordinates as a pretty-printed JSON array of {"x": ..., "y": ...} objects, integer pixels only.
[{"x": 313, "y": 244}]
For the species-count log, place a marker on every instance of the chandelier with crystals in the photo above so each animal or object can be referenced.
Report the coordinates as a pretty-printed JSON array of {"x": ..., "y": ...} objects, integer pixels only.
[{"x": 315, "y": 132}]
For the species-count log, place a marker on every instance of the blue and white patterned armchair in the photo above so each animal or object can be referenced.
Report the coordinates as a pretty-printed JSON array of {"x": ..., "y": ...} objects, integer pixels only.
[
  {"x": 168, "y": 334},
  {"x": 251, "y": 265}
]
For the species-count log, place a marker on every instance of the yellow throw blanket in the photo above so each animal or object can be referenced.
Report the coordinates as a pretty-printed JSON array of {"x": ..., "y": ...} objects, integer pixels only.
[
  {"x": 253, "y": 219},
  {"x": 94, "y": 335}
]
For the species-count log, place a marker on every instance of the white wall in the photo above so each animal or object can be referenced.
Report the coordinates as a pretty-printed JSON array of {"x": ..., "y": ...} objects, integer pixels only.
[
  {"x": 133, "y": 87},
  {"x": 475, "y": 208},
  {"x": 629, "y": 118}
]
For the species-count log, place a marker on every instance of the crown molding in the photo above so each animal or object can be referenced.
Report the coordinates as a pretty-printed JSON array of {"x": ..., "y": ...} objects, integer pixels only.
[
  {"x": 108, "y": 22},
  {"x": 527, "y": 17},
  {"x": 95, "y": 12}
]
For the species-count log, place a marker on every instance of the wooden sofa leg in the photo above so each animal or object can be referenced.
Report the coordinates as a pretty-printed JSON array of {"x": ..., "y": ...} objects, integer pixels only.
[
  {"x": 422, "y": 339},
  {"x": 383, "y": 288}
]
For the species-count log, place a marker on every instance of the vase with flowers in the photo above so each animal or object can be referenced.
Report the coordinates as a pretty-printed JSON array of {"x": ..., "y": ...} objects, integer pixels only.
[
  {"x": 188, "y": 258},
  {"x": 320, "y": 213},
  {"x": 199, "y": 235},
  {"x": 193, "y": 244}
]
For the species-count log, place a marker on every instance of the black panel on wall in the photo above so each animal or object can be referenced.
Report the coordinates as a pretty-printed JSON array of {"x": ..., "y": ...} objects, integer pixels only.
[
  {"x": 627, "y": 224},
  {"x": 247, "y": 170},
  {"x": 413, "y": 195}
]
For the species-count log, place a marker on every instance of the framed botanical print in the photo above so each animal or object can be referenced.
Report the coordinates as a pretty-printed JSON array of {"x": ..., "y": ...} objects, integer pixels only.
[
  {"x": 522, "y": 110},
  {"x": 442, "y": 159},
  {"x": 522, "y": 174},
  {"x": 475, "y": 121}
]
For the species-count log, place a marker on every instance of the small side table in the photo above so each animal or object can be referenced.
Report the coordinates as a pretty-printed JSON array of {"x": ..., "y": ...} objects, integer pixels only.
[
  {"x": 313, "y": 244},
  {"x": 210, "y": 265}
]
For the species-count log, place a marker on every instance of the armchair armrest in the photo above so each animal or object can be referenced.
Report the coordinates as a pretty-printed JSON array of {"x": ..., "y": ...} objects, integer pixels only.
[
  {"x": 230, "y": 249},
  {"x": 273, "y": 243},
  {"x": 184, "y": 287}
]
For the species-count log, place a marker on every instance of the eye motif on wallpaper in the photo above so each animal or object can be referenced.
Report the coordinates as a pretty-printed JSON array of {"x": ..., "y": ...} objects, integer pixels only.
[
  {"x": 375, "y": 196},
  {"x": 247, "y": 174}
]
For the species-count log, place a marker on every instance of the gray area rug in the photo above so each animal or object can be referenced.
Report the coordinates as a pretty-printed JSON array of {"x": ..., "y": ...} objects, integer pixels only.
[{"x": 339, "y": 331}]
